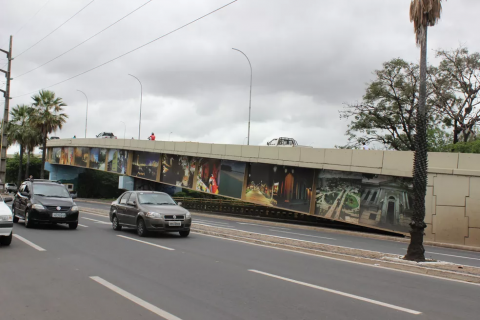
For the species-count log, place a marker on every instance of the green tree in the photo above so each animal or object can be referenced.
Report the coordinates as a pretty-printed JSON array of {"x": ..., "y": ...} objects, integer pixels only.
[
  {"x": 423, "y": 13},
  {"x": 13, "y": 165},
  {"x": 49, "y": 117},
  {"x": 456, "y": 83},
  {"x": 19, "y": 131},
  {"x": 387, "y": 114}
]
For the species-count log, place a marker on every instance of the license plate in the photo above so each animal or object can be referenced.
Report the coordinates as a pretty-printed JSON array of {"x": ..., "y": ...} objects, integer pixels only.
[
  {"x": 59, "y": 215},
  {"x": 174, "y": 223}
]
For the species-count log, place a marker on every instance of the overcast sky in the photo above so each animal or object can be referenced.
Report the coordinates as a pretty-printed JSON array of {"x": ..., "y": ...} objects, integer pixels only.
[{"x": 309, "y": 57}]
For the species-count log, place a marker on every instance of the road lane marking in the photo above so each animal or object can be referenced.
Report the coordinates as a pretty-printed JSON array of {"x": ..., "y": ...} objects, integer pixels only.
[
  {"x": 383, "y": 304},
  {"x": 450, "y": 255},
  {"x": 82, "y": 225},
  {"x": 336, "y": 259},
  {"x": 150, "y": 307},
  {"x": 211, "y": 225},
  {"x": 95, "y": 214},
  {"x": 149, "y": 243},
  {"x": 305, "y": 235},
  {"x": 213, "y": 222},
  {"x": 97, "y": 221},
  {"x": 31, "y": 244}
]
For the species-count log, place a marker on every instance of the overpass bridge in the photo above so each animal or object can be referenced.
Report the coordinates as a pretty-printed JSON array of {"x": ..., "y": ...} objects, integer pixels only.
[{"x": 371, "y": 188}]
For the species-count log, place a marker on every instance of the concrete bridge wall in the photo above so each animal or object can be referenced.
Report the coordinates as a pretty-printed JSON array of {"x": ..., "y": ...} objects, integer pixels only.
[{"x": 371, "y": 188}]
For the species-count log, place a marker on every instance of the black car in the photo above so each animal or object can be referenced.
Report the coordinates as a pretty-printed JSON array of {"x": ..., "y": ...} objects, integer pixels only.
[
  {"x": 150, "y": 211},
  {"x": 44, "y": 202}
]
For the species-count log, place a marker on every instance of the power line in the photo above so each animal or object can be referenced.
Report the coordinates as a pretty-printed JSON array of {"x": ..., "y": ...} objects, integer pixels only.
[
  {"x": 96, "y": 34},
  {"x": 53, "y": 30},
  {"x": 29, "y": 20},
  {"x": 128, "y": 52}
]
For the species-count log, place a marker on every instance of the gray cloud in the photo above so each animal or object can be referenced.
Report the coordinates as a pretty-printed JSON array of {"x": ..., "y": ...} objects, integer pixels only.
[{"x": 308, "y": 57}]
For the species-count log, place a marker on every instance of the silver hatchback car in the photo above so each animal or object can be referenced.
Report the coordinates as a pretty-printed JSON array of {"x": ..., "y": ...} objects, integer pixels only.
[{"x": 150, "y": 211}]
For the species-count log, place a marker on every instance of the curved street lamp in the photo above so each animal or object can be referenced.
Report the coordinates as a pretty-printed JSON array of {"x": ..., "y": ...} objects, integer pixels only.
[
  {"x": 86, "y": 113},
  {"x": 250, "y": 103},
  {"x": 141, "y": 94}
]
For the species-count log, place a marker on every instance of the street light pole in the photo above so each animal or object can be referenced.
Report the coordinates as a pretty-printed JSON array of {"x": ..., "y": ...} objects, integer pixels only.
[
  {"x": 86, "y": 113},
  {"x": 141, "y": 96},
  {"x": 250, "y": 103},
  {"x": 124, "y": 129}
]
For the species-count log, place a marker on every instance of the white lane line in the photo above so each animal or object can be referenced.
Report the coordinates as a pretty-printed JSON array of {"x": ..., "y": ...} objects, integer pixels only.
[
  {"x": 211, "y": 225},
  {"x": 150, "y": 307},
  {"x": 212, "y": 222},
  {"x": 96, "y": 221},
  {"x": 31, "y": 244},
  {"x": 305, "y": 235},
  {"x": 383, "y": 304},
  {"x": 338, "y": 259},
  {"x": 449, "y": 255},
  {"x": 149, "y": 243},
  {"x": 82, "y": 225},
  {"x": 95, "y": 214}
]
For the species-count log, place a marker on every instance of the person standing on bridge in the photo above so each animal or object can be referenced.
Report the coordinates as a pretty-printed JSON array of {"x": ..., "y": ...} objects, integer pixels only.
[{"x": 152, "y": 137}]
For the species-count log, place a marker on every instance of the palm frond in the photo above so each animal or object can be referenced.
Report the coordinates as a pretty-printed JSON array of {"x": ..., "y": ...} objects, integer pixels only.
[{"x": 424, "y": 13}]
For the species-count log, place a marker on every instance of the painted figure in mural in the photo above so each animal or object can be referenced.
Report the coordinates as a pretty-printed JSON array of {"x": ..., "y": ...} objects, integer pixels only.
[{"x": 212, "y": 185}]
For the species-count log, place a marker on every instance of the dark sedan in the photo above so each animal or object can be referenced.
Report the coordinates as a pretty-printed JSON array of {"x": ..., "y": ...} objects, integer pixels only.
[{"x": 150, "y": 211}]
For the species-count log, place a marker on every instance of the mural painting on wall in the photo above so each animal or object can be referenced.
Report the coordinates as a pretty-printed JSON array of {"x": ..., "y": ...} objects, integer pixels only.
[
  {"x": 117, "y": 161},
  {"x": 81, "y": 157},
  {"x": 232, "y": 174},
  {"x": 178, "y": 170},
  {"x": 145, "y": 165},
  {"x": 56, "y": 155},
  {"x": 368, "y": 199},
  {"x": 67, "y": 156},
  {"x": 280, "y": 186},
  {"x": 97, "y": 158},
  {"x": 208, "y": 174}
]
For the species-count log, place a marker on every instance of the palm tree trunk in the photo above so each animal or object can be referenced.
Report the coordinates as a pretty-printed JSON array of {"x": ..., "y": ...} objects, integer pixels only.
[
  {"x": 415, "y": 251},
  {"x": 28, "y": 165},
  {"x": 20, "y": 167},
  {"x": 44, "y": 151}
]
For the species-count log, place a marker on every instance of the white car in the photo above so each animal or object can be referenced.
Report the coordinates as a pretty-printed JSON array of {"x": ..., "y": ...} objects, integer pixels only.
[{"x": 6, "y": 222}]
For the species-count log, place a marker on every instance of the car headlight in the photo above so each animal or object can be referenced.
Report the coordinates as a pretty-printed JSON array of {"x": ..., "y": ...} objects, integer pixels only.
[
  {"x": 188, "y": 215},
  {"x": 154, "y": 215},
  {"x": 38, "y": 207},
  {"x": 6, "y": 218},
  {"x": 74, "y": 208}
]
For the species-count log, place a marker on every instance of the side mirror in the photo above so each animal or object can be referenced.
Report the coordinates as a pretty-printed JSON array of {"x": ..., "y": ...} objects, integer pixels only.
[
  {"x": 132, "y": 203},
  {"x": 179, "y": 204},
  {"x": 74, "y": 196}
]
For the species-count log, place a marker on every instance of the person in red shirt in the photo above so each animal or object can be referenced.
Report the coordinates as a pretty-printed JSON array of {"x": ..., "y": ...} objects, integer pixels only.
[{"x": 152, "y": 137}]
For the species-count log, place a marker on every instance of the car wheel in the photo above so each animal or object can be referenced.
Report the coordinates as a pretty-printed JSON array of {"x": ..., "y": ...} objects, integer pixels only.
[
  {"x": 141, "y": 229},
  {"x": 73, "y": 225},
  {"x": 184, "y": 234},
  {"x": 28, "y": 223},
  {"x": 115, "y": 225},
  {"x": 6, "y": 240}
]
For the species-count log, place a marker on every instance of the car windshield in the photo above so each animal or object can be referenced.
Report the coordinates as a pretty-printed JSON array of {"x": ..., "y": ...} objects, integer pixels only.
[
  {"x": 50, "y": 190},
  {"x": 155, "y": 198}
]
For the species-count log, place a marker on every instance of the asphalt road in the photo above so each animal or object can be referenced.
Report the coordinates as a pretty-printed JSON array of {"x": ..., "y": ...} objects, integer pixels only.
[
  {"x": 444, "y": 254},
  {"x": 51, "y": 272}
]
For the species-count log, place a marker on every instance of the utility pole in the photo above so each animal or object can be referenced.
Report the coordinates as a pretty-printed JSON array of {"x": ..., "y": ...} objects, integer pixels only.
[{"x": 6, "y": 94}]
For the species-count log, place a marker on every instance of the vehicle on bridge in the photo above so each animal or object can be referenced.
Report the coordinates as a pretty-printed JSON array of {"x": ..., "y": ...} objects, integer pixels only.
[
  {"x": 44, "y": 202},
  {"x": 6, "y": 222},
  {"x": 285, "y": 142},
  {"x": 106, "y": 135},
  {"x": 150, "y": 211}
]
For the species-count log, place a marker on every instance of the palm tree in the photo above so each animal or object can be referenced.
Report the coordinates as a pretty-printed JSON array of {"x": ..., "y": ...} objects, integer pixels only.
[
  {"x": 33, "y": 138},
  {"x": 423, "y": 13},
  {"x": 17, "y": 131},
  {"x": 48, "y": 118}
]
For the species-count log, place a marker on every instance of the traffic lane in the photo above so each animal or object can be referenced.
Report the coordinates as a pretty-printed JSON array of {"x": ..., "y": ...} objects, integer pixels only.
[
  {"x": 357, "y": 242},
  {"x": 417, "y": 292},
  {"x": 38, "y": 285},
  {"x": 197, "y": 286},
  {"x": 443, "y": 254}
]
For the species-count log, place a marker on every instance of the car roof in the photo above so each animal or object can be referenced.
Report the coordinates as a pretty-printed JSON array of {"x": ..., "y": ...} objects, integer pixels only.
[{"x": 144, "y": 191}]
